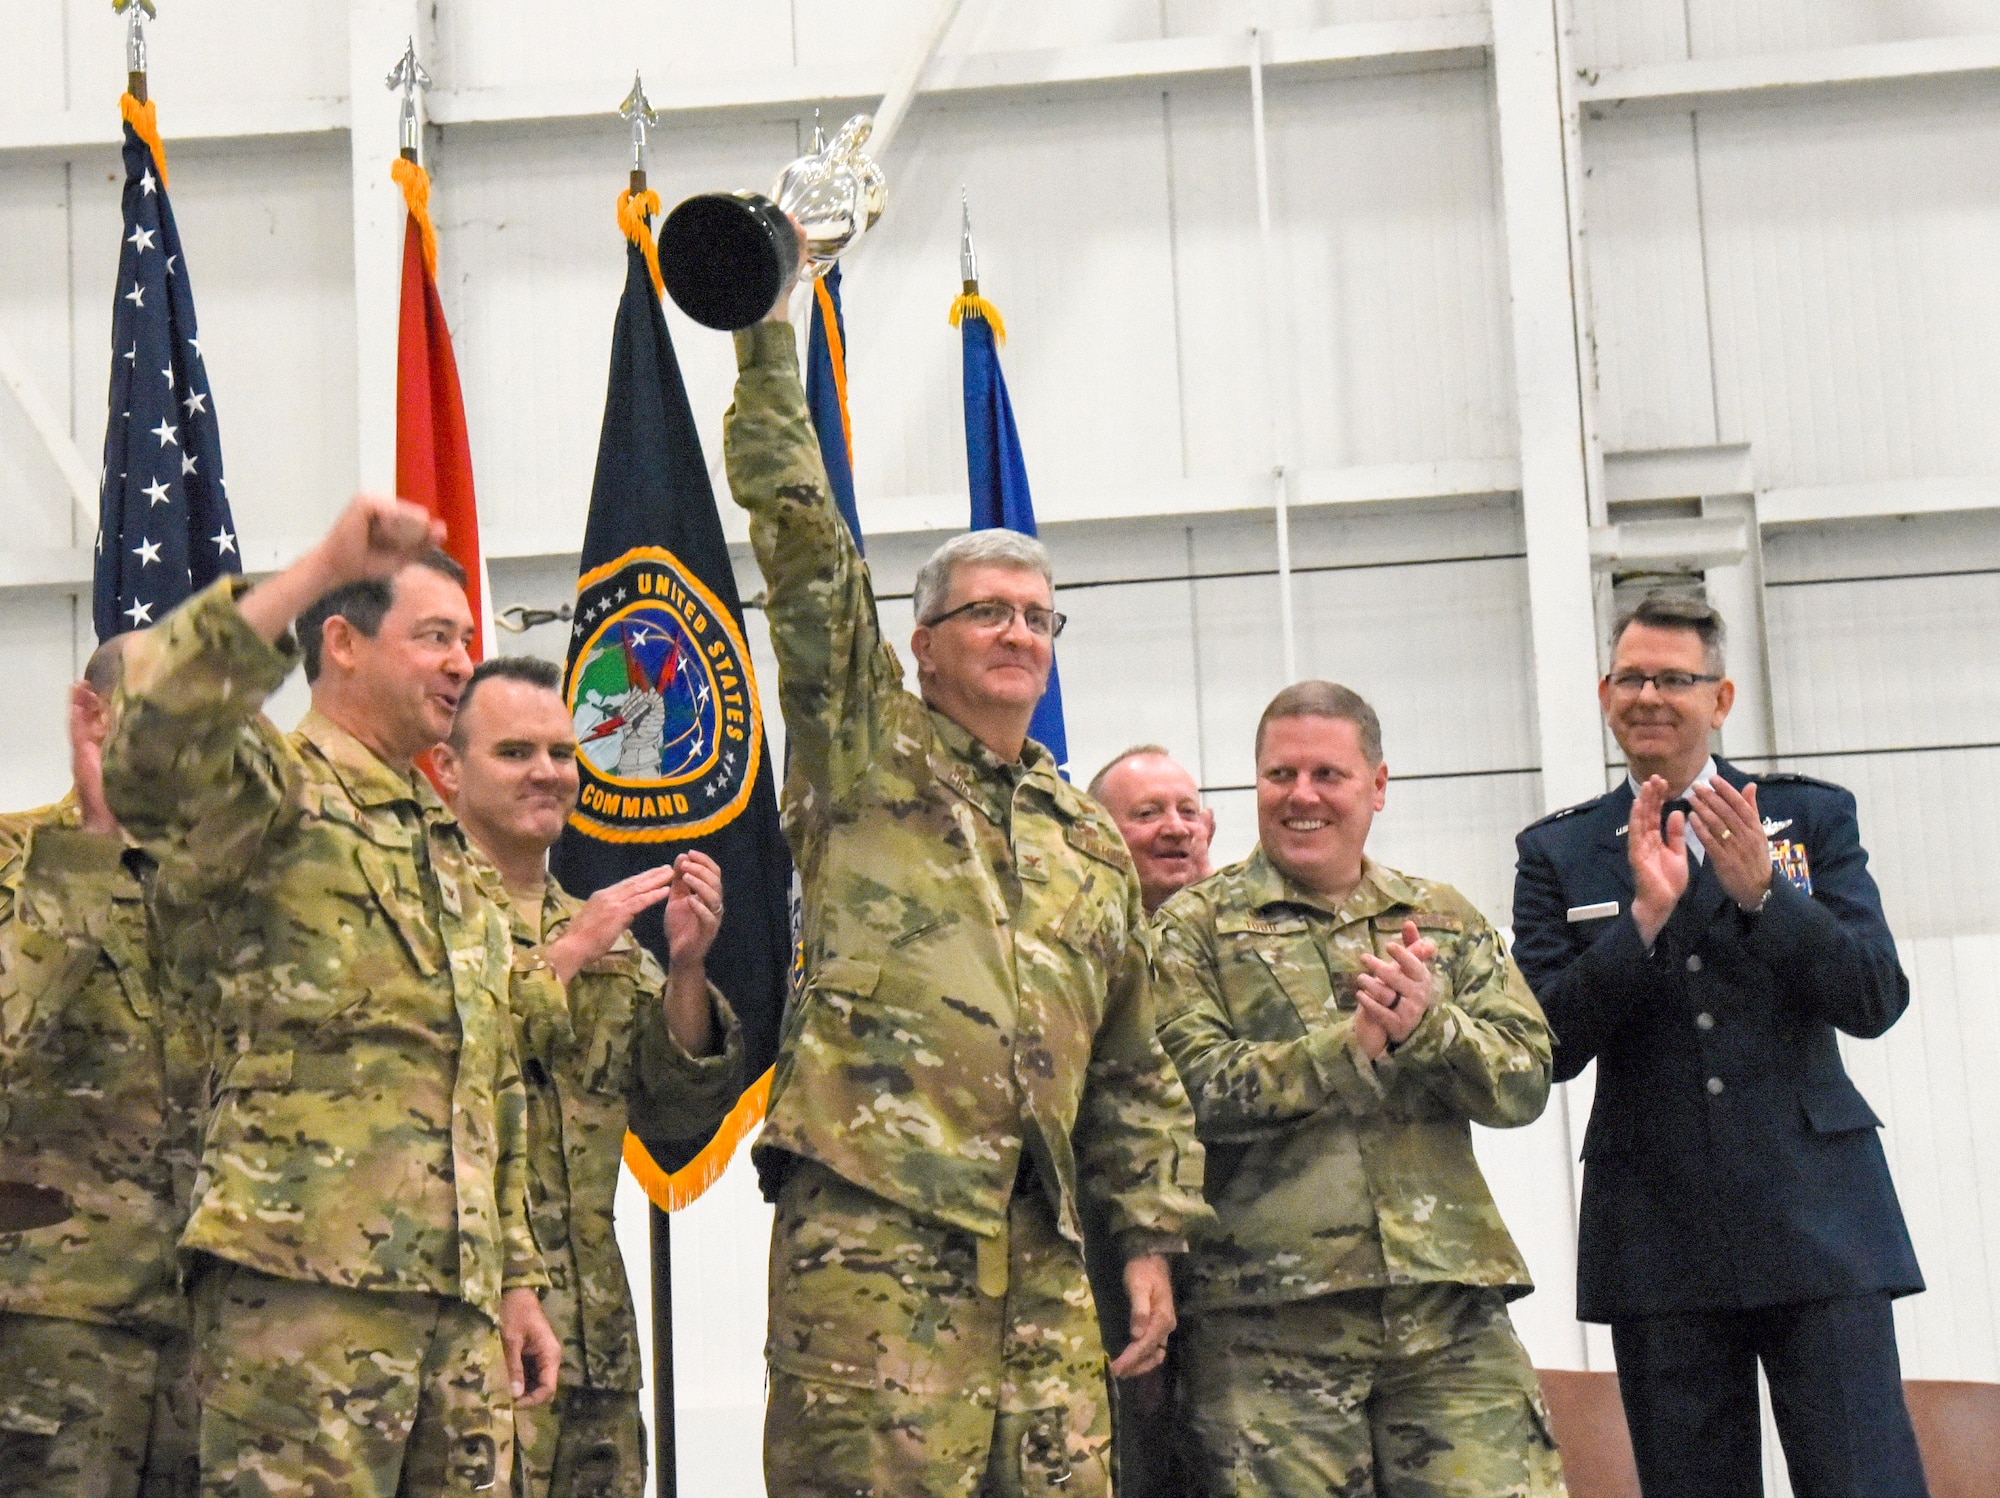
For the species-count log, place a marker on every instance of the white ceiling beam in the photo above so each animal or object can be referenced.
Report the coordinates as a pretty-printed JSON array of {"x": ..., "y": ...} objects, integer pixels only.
[
  {"x": 1817, "y": 503},
  {"x": 82, "y": 129},
  {"x": 1647, "y": 545},
  {"x": 1439, "y": 44},
  {"x": 1678, "y": 86},
  {"x": 1678, "y": 473}
]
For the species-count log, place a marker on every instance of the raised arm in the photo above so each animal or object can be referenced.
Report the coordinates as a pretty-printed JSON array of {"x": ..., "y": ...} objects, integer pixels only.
[
  {"x": 836, "y": 675},
  {"x": 190, "y": 769}
]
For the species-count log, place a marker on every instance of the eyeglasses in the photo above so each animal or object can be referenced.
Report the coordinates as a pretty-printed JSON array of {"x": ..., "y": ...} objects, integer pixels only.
[
  {"x": 1666, "y": 683},
  {"x": 996, "y": 614}
]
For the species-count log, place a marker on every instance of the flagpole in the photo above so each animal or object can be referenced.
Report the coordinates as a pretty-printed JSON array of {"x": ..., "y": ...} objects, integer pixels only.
[
  {"x": 638, "y": 111},
  {"x": 1280, "y": 474}
]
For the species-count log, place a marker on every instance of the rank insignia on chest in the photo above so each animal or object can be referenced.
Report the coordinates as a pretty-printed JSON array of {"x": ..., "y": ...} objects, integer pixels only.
[{"x": 1789, "y": 859}]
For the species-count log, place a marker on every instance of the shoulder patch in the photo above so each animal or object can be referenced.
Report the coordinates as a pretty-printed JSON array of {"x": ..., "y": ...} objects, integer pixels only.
[
  {"x": 1567, "y": 811},
  {"x": 1792, "y": 777}
]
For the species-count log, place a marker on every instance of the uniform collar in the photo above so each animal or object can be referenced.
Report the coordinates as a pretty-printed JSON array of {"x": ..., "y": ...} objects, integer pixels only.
[
  {"x": 1380, "y": 889},
  {"x": 983, "y": 777},
  {"x": 361, "y": 772},
  {"x": 1702, "y": 777}
]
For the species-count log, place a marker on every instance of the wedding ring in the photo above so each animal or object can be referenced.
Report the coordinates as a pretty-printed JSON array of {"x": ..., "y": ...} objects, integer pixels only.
[{"x": 1722, "y": 834}]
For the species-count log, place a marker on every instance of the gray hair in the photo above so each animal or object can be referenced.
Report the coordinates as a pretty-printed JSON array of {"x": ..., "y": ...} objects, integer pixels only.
[
  {"x": 988, "y": 548},
  {"x": 1681, "y": 611}
]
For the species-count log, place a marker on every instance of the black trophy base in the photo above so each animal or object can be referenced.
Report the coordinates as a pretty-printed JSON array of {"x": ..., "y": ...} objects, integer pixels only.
[{"x": 726, "y": 257}]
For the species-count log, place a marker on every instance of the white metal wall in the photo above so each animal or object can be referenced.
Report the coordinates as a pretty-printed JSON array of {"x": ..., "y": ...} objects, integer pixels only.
[{"x": 1785, "y": 221}]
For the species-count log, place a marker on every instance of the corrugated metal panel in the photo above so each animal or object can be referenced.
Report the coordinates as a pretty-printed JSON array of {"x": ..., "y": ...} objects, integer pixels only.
[
  {"x": 497, "y": 43},
  {"x": 1931, "y": 1081},
  {"x": 1850, "y": 250},
  {"x": 1207, "y": 17},
  {"x": 41, "y": 634},
  {"x": 1886, "y": 664},
  {"x": 1391, "y": 291},
  {"x": 1732, "y": 28},
  {"x": 1626, "y": 33},
  {"x": 1649, "y": 298},
  {"x": 34, "y": 313}
]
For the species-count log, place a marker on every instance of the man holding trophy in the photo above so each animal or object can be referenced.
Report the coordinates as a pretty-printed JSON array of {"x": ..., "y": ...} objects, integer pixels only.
[{"x": 973, "y": 1044}]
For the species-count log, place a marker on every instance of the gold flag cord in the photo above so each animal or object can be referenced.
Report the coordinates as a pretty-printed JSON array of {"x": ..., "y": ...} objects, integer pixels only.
[
  {"x": 634, "y": 209},
  {"x": 972, "y": 304},
  {"x": 145, "y": 123},
  {"x": 416, "y": 185}
]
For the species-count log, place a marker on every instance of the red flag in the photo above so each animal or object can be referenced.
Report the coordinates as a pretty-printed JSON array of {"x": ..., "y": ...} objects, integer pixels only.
[{"x": 433, "y": 456}]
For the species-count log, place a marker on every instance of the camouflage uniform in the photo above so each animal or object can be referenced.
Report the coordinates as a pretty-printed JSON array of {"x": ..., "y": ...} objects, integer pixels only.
[
  {"x": 98, "y": 1078},
  {"x": 1346, "y": 1313},
  {"x": 974, "y": 1009},
  {"x": 597, "y": 1055},
  {"x": 367, "y": 1135}
]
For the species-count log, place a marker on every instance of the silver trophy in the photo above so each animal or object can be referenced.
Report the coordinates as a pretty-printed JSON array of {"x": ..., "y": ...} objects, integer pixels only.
[{"x": 726, "y": 257}]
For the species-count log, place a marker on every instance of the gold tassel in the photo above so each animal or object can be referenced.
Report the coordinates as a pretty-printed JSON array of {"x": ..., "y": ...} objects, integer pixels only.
[
  {"x": 972, "y": 304},
  {"x": 416, "y": 185},
  {"x": 672, "y": 1192},
  {"x": 632, "y": 215},
  {"x": 145, "y": 123}
]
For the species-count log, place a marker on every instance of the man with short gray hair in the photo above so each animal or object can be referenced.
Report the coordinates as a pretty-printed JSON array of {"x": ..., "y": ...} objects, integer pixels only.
[{"x": 972, "y": 1048}]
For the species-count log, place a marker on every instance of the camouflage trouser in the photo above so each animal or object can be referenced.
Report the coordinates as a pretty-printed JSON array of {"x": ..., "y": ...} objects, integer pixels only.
[
  {"x": 892, "y": 1374},
  {"x": 1418, "y": 1392},
  {"x": 89, "y": 1411},
  {"x": 314, "y": 1391},
  {"x": 585, "y": 1443}
]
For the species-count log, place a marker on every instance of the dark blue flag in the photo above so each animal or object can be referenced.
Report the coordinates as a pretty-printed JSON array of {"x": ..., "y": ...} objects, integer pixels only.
[
  {"x": 826, "y": 397},
  {"x": 999, "y": 481},
  {"x": 164, "y": 529}
]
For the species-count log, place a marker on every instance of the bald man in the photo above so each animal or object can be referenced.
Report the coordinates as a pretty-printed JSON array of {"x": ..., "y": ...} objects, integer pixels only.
[{"x": 1158, "y": 809}]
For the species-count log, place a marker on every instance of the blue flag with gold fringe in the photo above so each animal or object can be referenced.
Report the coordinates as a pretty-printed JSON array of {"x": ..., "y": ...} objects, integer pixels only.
[
  {"x": 999, "y": 477},
  {"x": 826, "y": 397}
]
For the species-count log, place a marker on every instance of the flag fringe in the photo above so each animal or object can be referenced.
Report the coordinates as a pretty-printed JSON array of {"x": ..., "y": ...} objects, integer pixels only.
[
  {"x": 145, "y": 122},
  {"x": 416, "y": 185},
  {"x": 972, "y": 304},
  {"x": 836, "y": 348},
  {"x": 671, "y": 1192},
  {"x": 633, "y": 212}
]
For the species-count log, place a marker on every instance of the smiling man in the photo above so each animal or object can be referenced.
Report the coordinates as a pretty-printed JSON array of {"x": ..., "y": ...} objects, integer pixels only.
[
  {"x": 973, "y": 1045},
  {"x": 1158, "y": 809},
  {"x": 1703, "y": 937},
  {"x": 1339, "y": 1026},
  {"x": 359, "y": 1231},
  {"x": 608, "y": 1042}
]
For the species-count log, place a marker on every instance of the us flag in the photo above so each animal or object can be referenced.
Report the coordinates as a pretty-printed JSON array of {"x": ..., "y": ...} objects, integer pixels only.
[{"x": 164, "y": 529}]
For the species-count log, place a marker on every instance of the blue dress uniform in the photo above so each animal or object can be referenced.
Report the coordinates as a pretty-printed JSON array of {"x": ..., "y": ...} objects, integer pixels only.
[{"x": 1736, "y": 1201}]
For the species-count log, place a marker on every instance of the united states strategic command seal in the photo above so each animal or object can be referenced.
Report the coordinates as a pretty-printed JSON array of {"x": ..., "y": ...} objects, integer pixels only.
[{"x": 667, "y": 725}]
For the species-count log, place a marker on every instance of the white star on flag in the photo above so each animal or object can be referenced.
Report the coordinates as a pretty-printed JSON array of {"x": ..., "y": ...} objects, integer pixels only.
[
  {"x": 157, "y": 493},
  {"x": 147, "y": 184},
  {"x": 148, "y": 552},
  {"x": 195, "y": 401},
  {"x": 142, "y": 239},
  {"x": 139, "y": 613},
  {"x": 187, "y": 464},
  {"x": 167, "y": 433},
  {"x": 224, "y": 541},
  {"x": 137, "y": 297}
]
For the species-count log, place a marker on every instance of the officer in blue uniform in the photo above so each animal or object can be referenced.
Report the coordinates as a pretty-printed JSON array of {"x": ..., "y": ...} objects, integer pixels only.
[{"x": 1703, "y": 937}]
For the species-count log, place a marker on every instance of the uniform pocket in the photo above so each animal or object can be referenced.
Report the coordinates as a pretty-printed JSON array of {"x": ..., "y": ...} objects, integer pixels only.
[{"x": 1837, "y": 1110}]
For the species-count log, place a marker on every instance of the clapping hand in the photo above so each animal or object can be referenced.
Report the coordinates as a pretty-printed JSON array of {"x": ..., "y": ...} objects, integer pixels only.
[
  {"x": 1391, "y": 997},
  {"x": 1659, "y": 859}
]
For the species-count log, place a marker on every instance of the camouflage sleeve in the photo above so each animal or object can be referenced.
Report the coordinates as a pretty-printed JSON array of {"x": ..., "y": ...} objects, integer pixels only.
[
  {"x": 1484, "y": 1048},
  {"x": 674, "y": 1095},
  {"x": 1242, "y": 1088},
  {"x": 1136, "y": 1147},
  {"x": 55, "y": 901},
  {"x": 835, "y": 673},
  {"x": 192, "y": 770},
  {"x": 521, "y": 1263}
]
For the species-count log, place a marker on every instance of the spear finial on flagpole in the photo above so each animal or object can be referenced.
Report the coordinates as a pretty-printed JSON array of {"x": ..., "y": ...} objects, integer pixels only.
[
  {"x": 969, "y": 302},
  {"x": 641, "y": 115},
  {"x": 968, "y": 258},
  {"x": 408, "y": 75},
  {"x": 136, "y": 13}
]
